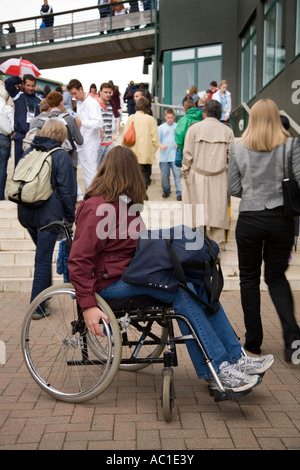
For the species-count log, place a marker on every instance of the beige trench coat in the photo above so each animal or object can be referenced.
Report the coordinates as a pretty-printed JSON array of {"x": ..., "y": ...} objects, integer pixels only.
[
  {"x": 146, "y": 144},
  {"x": 204, "y": 173}
]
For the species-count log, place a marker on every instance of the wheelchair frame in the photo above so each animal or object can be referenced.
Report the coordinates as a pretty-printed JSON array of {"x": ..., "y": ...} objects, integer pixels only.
[{"x": 72, "y": 365}]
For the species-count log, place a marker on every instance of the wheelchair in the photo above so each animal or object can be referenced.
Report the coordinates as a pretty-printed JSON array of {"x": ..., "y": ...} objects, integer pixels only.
[{"x": 74, "y": 366}]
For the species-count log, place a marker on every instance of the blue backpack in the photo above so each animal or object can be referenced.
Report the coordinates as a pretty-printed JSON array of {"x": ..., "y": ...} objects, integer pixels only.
[{"x": 172, "y": 258}]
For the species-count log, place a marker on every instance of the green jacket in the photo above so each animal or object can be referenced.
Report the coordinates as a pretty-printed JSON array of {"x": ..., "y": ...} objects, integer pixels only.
[{"x": 192, "y": 115}]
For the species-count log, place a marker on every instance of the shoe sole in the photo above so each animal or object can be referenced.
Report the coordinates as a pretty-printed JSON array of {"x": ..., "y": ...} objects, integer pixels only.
[{"x": 244, "y": 388}]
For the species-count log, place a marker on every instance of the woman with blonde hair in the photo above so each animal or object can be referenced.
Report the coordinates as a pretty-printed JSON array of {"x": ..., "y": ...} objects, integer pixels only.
[{"x": 264, "y": 232}]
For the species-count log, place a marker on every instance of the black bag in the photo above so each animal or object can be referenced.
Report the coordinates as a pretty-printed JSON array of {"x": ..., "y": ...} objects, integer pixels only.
[
  {"x": 170, "y": 258},
  {"x": 290, "y": 189}
]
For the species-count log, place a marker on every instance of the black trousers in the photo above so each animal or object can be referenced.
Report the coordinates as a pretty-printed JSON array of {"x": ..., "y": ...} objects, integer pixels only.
[{"x": 265, "y": 236}]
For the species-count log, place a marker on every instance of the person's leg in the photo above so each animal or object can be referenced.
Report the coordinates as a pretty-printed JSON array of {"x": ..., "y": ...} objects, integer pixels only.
[
  {"x": 250, "y": 244},
  {"x": 87, "y": 156},
  {"x": 165, "y": 177},
  {"x": 5, "y": 146},
  {"x": 185, "y": 305},
  {"x": 277, "y": 250},
  {"x": 177, "y": 179},
  {"x": 45, "y": 243},
  {"x": 18, "y": 141}
]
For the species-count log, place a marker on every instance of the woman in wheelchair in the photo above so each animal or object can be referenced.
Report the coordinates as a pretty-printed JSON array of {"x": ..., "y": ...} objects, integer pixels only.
[{"x": 106, "y": 237}]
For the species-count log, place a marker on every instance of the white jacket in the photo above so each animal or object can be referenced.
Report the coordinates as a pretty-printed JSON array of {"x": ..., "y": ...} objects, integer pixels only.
[
  {"x": 217, "y": 96},
  {"x": 6, "y": 118}
]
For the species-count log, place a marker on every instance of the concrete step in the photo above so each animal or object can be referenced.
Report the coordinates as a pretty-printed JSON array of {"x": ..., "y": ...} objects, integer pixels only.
[{"x": 17, "y": 251}]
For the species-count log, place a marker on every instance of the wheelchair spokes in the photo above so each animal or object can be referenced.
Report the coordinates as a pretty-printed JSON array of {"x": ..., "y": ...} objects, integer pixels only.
[{"x": 57, "y": 353}]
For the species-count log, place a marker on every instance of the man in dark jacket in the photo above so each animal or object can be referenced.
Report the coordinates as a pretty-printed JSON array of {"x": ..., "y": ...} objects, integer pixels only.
[
  {"x": 60, "y": 206},
  {"x": 27, "y": 106}
]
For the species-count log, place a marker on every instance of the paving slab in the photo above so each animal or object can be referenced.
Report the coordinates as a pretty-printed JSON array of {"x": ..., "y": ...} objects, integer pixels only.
[{"x": 128, "y": 416}]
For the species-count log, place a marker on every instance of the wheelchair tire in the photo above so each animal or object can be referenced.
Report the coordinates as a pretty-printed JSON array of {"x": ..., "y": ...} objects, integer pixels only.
[
  {"x": 56, "y": 347},
  {"x": 167, "y": 396}
]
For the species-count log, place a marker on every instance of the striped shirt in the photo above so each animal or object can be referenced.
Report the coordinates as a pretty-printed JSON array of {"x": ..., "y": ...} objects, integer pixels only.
[{"x": 107, "y": 117}]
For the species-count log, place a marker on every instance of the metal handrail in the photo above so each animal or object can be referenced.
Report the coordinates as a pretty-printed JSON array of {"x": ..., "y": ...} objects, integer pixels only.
[
  {"x": 75, "y": 24},
  {"x": 67, "y": 12},
  {"x": 293, "y": 123}
]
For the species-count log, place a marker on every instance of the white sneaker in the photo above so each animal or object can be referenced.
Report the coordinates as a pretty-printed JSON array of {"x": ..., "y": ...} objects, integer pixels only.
[
  {"x": 235, "y": 380},
  {"x": 254, "y": 365}
]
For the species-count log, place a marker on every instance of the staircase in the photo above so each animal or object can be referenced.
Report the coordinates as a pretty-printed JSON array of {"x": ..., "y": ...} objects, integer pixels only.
[{"x": 17, "y": 250}]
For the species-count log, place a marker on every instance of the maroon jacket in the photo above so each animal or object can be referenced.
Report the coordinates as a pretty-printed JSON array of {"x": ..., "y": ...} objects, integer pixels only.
[{"x": 105, "y": 241}]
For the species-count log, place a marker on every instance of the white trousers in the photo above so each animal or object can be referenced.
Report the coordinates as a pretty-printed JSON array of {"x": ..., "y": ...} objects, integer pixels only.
[{"x": 87, "y": 156}]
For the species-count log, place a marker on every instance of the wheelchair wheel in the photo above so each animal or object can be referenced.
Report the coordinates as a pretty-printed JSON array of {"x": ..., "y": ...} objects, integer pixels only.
[
  {"x": 167, "y": 395},
  {"x": 56, "y": 348},
  {"x": 142, "y": 341}
]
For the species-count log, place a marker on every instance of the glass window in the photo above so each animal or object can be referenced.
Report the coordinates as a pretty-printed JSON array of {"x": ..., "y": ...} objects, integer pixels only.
[
  {"x": 274, "y": 46},
  {"x": 297, "y": 48},
  {"x": 208, "y": 70},
  {"x": 249, "y": 52},
  {"x": 186, "y": 67},
  {"x": 184, "y": 54},
  {"x": 182, "y": 79},
  {"x": 209, "y": 51}
]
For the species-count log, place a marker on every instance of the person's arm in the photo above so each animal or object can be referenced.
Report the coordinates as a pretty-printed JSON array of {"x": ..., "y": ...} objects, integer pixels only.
[
  {"x": 85, "y": 250},
  {"x": 234, "y": 176},
  {"x": 94, "y": 120},
  {"x": 75, "y": 131},
  {"x": 188, "y": 152},
  {"x": 296, "y": 160},
  {"x": 160, "y": 138},
  {"x": 180, "y": 132},
  {"x": 10, "y": 85},
  {"x": 154, "y": 134},
  {"x": 66, "y": 184},
  {"x": 228, "y": 107}
]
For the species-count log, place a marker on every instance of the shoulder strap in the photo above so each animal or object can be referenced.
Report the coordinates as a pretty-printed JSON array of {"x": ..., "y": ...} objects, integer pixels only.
[
  {"x": 290, "y": 162},
  {"x": 213, "y": 280},
  {"x": 288, "y": 167}
]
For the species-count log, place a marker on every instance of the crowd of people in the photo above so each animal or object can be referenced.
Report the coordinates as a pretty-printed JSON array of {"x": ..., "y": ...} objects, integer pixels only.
[{"x": 198, "y": 149}]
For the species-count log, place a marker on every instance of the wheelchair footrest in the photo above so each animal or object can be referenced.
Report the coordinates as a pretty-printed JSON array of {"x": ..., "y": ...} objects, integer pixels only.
[{"x": 227, "y": 394}]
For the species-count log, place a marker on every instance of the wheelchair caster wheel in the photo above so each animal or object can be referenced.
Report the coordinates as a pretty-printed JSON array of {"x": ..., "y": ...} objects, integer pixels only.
[{"x": 167, "y": 398}]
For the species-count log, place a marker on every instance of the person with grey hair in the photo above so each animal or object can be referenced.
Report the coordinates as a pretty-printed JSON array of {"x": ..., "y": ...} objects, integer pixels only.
[
  {"x": 204, "y": 173},
  {"x": 6, "y": 128}
]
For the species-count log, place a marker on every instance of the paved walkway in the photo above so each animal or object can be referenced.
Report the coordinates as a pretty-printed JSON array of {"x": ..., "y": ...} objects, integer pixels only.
[{"x": 128, "y": 416}]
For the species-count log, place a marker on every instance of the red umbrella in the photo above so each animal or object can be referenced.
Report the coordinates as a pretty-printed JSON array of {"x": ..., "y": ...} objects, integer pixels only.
[{"x": 19, "y": 68}]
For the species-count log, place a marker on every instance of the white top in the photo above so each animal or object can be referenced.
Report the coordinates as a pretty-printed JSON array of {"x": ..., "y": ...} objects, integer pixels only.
[{"x": 89, "y": 113}]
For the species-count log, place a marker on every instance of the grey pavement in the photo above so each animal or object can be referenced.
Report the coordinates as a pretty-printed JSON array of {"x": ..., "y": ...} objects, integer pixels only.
[{"x": 128, "y": 416}]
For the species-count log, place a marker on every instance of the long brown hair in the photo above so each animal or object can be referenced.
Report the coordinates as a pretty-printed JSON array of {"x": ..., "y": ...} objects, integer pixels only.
[
  {"x": 119, "y": 174},
  {"x": 265, "y": 130}
]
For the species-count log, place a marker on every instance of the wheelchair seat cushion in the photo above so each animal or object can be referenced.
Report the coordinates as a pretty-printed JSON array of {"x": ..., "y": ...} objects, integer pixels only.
[{"x": 139, "y": 302}]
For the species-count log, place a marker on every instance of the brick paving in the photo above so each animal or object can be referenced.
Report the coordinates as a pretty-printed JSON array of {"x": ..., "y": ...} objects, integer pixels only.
[{"x": 129, "y": 417}]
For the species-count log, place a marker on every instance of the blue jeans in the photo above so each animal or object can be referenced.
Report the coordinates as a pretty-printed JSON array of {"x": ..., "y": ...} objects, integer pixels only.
[
  {"x": 5, "y": 146},
  {"x": 215, "y": 332},
  {"x": 102, "y": 151},
  {"x": 165, "y": 169},
  {"x": 45, "y": 243}
]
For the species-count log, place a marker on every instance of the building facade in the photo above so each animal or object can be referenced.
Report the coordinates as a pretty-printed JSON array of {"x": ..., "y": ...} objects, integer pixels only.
[{"x": 253, "y": 44}]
